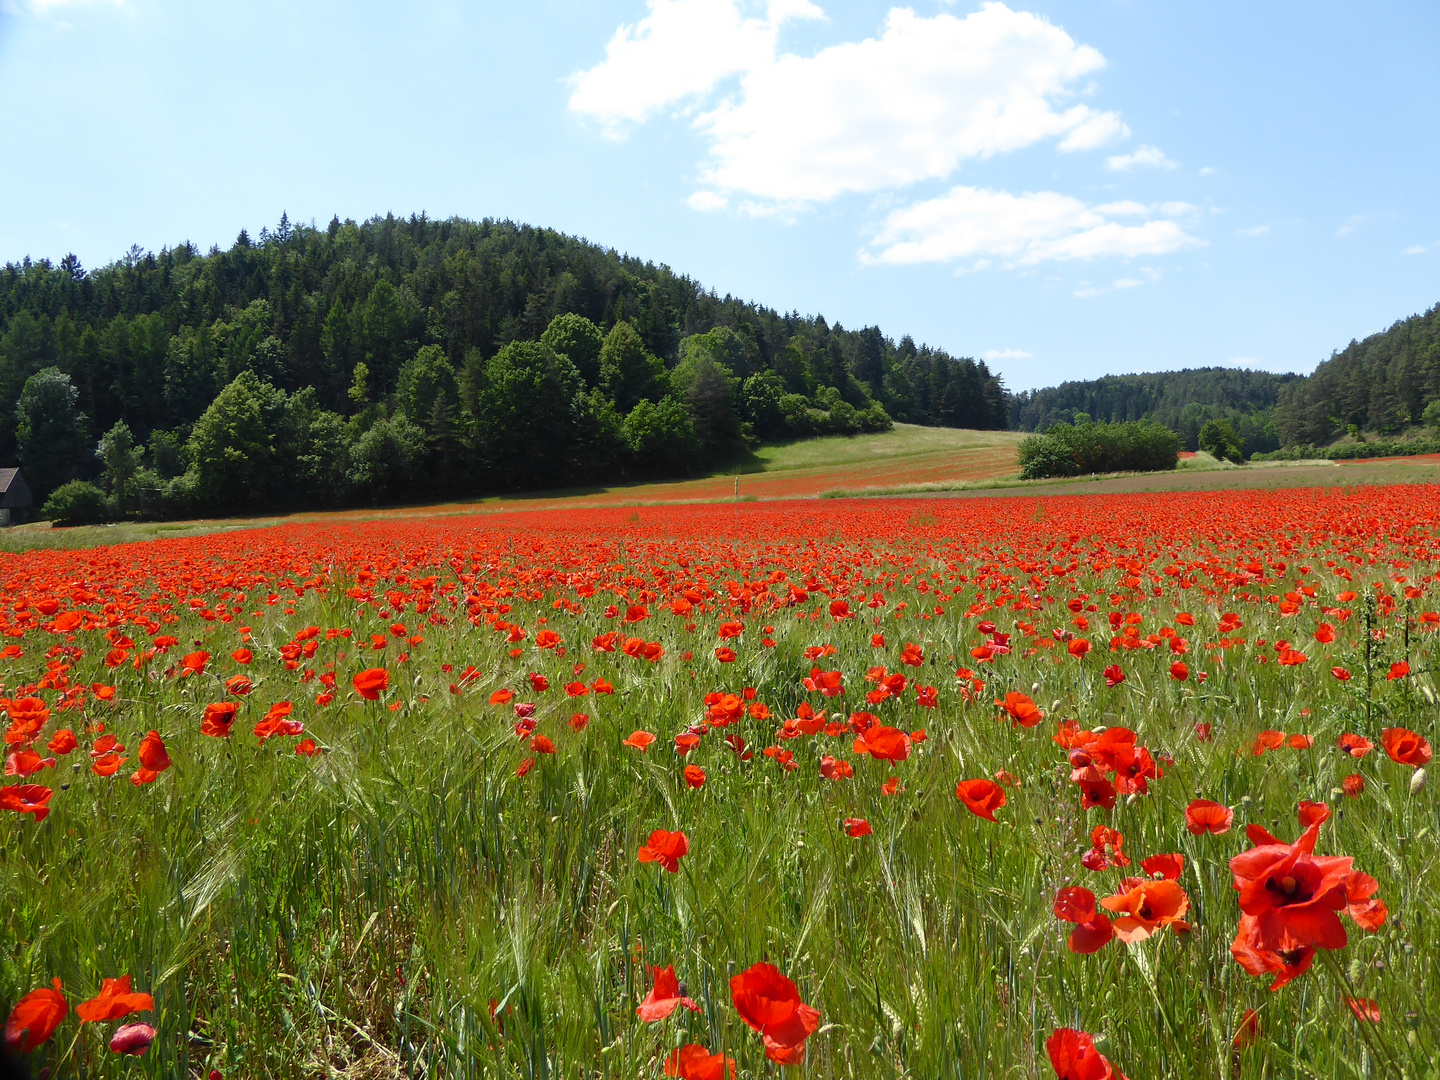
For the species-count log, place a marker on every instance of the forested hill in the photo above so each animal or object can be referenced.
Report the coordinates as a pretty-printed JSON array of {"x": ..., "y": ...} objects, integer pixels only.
[
  {"x": 1382, "y": 384},
  {"x": 410, "y": 357},
  {"x": 1181, "y": 400}
]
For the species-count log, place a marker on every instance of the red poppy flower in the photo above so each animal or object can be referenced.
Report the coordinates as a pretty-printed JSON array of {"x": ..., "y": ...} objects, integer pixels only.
[
  {"x": 1340, "y": 673},
  {"x": 1398, "y": 671},
  {"x": 1248, "y": 1031},
  {"x": 981, "y": 797},
  {"x": 1145, "y": 907},
  {"x": 1204, "y": 816},
  {"x": 1073, "y": 1057},
  {"x": 1022, "y": 710},
  {"x": 194, "y": 664},
  {"x": 666, "y": 995},
  {"x": 108, "y": 764},
  {"x": 666, "y": 848},
  {"x": 1169, "y": 867},
  {"x": 857, "y": 827},
  {"x": 62, "y": 743},
  {"x": 640, "y": 740},
  {"x": 114, "y": 1001},
  {"x": 1179, "y": 671},
  {"x": 307, "y": 748},
  {"x": 152, "y": 753},
  {"x": 1078, "y": 648},
  {"x": 1290, "y": 894},
  {"x": 1114, "y": 676},
  {"x": 1093, "y": 930},
  {"x": 1353, "y": 785},
  {"x": 542, "y": 744},
  {"x": 218, "y": 719},
  {"x": 1357, "y": 746},
  {"x": 770, "y": 1004},
  {"x": 694, "y": 776},
  {"x": 35, "y": 1018},
  {"x": 694, "y": 1062},
  {"x": 1312, "y": 813},
  {"x": 833, "y": 768},
  {"x": 371, "y": 683},
  {"x": 1364, "y": 1009},
  {"x": 580, "y": 721},
  {"x": 883, "y": 743},
  {"x": 1405, "y": 747}
]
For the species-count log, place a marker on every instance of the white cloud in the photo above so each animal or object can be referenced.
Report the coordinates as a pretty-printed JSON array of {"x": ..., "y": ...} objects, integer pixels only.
[
  {"x": 1148, "y": 274},
  {"x": 680, "y": 51},
  {"x": 1352, "y": 225},
  {"x": 1207, "y": 171},
  {"x": 1022, "y": 229},
  {"x": 1254, "y": 230},
  {"x": 707, "y": 202},
  {"x": 1008, "y": 354},
  {"x": 51, "y": 7},
  {"x": 1415, "y": 249},
  {"x": 908, "y": 105},
  {"x": 1147, "y": 157}
]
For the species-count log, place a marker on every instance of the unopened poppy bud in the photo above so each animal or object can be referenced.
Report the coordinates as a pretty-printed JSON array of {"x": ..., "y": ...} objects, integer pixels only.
[
  {"x": 1035, "y": 688},
  {"x": 1417, "y": 780}
]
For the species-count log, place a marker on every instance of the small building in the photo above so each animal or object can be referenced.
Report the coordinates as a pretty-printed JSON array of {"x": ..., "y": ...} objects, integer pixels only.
[{"x": 16, "y": 500}]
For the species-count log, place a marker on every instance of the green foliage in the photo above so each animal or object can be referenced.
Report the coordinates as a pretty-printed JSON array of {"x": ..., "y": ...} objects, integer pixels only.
[
  {"x": 1383, "y": 384},
  {"x": 1085, "y": 449},
  {"x": 232, "y": 448},
  {"x": 528, "y": 409},
  {"x": 578, "y": 340},
  {"x": 76, "y": 502},
  {"x": 120, "y": 463},
  {"x": 386, "y": 460},
  {"x": 662, "y": 436},
  {"x": 426, "y": 379},
  {"x": 50, "y": 431},
  {"x": 628, "y": 372},
  {"x": 710, "y": 391},
  {"x": 1218, "y": 439},
  {"x": 363, "y": 314},
  {"x": 1431, "y": 416},
  {"x": 1353, "y": 451}
]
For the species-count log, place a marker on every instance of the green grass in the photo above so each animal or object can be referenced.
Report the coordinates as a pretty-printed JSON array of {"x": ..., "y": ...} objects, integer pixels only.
[
  {"x": 904, "y": 441},
  {"x": 357, "y": 915}
]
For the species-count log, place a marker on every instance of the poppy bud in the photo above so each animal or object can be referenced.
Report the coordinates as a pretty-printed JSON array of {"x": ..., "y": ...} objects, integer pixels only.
[
  {"x": 132, "y": 1039},
  {"x": 1417, "y": 780}
]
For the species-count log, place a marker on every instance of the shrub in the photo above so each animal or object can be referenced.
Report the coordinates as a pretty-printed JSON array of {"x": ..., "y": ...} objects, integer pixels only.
[
  {"x": 77, "y": 502},
  {"x": 1088, "y": 448}
]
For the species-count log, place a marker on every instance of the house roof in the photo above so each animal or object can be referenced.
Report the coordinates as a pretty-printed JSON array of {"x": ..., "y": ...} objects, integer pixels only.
[{"x": 14, "y": 491}]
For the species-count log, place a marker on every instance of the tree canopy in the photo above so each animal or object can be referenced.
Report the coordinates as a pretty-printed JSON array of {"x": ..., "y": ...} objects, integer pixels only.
[{"x": 484, "y": 356}]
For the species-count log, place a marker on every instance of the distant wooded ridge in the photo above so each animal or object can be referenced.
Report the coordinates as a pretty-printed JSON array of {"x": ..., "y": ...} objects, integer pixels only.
[
  {"x": 1387, "y": 384},
  {"x": 410, "y": 358}
]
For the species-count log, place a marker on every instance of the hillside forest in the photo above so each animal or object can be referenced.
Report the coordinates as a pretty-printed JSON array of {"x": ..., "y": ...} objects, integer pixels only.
[
  {"x": 1385, "y": 388},
  {"x": 399, "y": 359}
]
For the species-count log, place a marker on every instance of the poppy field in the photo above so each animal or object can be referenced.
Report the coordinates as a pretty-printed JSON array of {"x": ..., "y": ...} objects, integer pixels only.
[{"x": 1088, "y": 787}]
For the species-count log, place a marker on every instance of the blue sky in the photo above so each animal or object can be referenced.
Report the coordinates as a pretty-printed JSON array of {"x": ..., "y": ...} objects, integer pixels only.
[{"x": 1065, "y": 188}]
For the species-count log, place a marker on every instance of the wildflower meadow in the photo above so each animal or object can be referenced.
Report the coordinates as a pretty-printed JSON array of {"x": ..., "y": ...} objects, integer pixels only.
[{"x": 1085, "y": 787}]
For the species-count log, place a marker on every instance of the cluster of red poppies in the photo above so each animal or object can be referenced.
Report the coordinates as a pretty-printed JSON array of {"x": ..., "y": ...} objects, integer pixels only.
[{"x": 700, "y": 589}]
